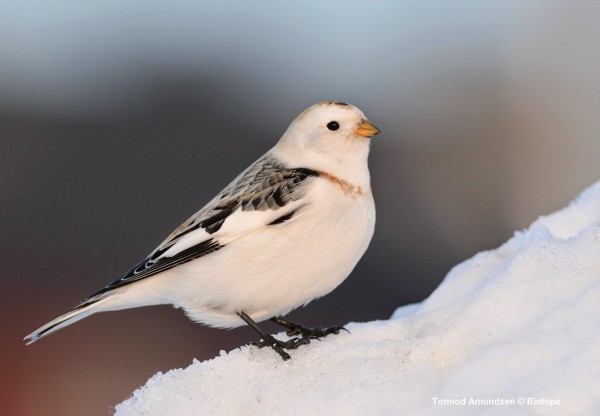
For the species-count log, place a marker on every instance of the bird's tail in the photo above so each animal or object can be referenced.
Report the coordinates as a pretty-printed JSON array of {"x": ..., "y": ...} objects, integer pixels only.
[{"x": 85, "y": 309}]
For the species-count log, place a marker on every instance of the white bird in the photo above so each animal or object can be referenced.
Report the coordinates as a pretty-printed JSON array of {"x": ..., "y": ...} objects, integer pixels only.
[{"x": 289, "y": 229}]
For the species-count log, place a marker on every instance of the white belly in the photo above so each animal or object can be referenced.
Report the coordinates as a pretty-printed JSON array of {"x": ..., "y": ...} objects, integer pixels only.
[{"x": 279, "y": 267}]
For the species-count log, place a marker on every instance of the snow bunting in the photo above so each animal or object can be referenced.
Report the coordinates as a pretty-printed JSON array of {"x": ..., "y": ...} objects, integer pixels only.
[{"x": 289, "y": 229}]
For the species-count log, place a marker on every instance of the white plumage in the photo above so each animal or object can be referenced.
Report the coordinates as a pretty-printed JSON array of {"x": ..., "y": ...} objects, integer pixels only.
[{"x": 287, "y": 230}]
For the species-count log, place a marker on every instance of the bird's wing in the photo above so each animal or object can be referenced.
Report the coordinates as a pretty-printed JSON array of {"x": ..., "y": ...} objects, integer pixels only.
[{"x": 265, "y": 194}]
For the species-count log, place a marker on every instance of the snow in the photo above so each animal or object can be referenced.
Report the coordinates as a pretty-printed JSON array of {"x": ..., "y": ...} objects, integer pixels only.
[{"x": 510, "y": 331}]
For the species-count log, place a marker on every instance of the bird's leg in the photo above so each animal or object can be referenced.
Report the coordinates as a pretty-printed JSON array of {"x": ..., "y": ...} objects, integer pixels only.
[
  {"x": 269, "y": 340},
  {"x": 294, "y": 329}
]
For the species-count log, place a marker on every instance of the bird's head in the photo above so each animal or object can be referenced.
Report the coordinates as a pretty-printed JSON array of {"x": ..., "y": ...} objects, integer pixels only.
[{"x": 329, "y": 135}]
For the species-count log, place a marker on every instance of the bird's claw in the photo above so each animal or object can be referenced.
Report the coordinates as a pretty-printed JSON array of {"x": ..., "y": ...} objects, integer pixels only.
[
  {"x": 294, "y": 329},
  {"x": 280, "y": 346},
  {"x": 314, "y": 333}
]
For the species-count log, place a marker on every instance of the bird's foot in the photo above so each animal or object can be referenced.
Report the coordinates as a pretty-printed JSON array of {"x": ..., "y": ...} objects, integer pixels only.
[
  {"x": 280, "y": 346},
  {"x": 294, "y": 329},
  {"x": 268, "y": 340}
]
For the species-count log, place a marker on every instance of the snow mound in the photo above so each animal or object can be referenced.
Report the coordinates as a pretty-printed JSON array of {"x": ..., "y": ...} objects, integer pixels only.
[{"x": 514, "y": 330}]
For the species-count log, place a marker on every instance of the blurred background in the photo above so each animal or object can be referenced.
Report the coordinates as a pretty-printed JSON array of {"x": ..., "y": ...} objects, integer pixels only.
[{"x": 118, "y": 120}]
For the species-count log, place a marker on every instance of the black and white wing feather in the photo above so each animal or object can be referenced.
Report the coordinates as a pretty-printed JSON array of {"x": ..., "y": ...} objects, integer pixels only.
[{"x": 267, "y": 186}]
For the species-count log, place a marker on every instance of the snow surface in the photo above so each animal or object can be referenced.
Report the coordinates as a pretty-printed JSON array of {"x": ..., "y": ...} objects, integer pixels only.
[{"x": 517, "y": 323}]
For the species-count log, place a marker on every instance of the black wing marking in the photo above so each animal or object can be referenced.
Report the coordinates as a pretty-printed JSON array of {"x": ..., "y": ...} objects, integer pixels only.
[
  {"x": 277, "y": 189},
  {"x": 284, "y": 217},
  {"x": 149, "y": 267},
  {"x": 267, "y": 184},
  {"x": 213, "y": 224}
]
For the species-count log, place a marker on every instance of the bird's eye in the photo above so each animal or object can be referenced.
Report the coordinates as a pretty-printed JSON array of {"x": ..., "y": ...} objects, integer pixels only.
[{"x": 333, "y": 125}]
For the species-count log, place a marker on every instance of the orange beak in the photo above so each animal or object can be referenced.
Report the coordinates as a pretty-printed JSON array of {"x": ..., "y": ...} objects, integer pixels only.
[{"x": 366, "y": 129}]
